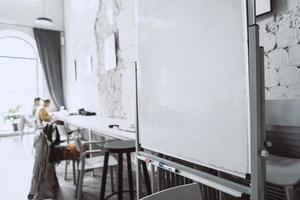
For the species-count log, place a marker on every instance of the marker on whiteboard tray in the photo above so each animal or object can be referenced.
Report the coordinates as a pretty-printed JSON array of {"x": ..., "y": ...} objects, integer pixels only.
[
  {"x": 166, "y": 167},
  {"x": 158, "y": 164}
]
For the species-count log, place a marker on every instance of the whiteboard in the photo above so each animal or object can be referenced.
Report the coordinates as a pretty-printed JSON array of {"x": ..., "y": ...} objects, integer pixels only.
[{"x": 193, "y": 81}]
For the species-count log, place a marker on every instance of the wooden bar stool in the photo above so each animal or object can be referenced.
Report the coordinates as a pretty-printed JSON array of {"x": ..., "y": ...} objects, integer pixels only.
[{"x": 121, "y": 148}]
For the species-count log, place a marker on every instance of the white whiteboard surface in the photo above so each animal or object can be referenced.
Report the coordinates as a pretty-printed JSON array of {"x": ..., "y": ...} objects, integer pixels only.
[{"x": 193, "y": 81}]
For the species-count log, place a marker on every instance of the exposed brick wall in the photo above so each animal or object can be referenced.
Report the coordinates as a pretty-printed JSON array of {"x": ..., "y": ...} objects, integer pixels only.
[{"x": 280, "y": 36}]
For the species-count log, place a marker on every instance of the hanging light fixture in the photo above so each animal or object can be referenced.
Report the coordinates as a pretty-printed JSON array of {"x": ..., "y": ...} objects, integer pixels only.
[{"x": 44, "y": 21}]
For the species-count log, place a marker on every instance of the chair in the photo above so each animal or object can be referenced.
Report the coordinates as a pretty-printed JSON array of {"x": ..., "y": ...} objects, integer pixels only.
[
  {"x": 90, "y": 164},
  {"x": 283, "y": 165},
  {"x": 22, "y": 125},
  {"x": 184, "y": 192},
  {"x": 67, "y": 137}
]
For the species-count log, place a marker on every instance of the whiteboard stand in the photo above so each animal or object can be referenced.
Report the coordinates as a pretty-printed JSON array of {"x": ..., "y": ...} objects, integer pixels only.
[
  {"x": 257, "y": 138},
  {"x": 137, "y": 143},
  {"x": 257, "y": 107}
]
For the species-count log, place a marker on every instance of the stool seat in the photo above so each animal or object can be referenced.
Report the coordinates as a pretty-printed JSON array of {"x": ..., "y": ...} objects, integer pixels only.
[{"x": 120, "y": 146}]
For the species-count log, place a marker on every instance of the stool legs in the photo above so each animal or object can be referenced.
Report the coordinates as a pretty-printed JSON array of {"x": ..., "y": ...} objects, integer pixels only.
[
  {"x": 112, "y": 183},
  {"x": 120, "y": 191},
  {"x": 120, "y": 176},
  {"x": 104, "y": 176},
  {"x": 130, "y": 177}
]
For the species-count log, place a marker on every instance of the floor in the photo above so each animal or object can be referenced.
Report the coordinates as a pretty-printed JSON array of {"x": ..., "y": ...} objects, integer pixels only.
[
  {"x": 91, "y": 188},
  {"x": 16, "y": 173}
]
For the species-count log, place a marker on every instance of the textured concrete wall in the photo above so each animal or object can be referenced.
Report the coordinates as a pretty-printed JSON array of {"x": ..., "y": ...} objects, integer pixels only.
[
  {"x": 88, "y": 25},
  {"x": 116, "y": 17},
  {"x": 280, "y": 36}
]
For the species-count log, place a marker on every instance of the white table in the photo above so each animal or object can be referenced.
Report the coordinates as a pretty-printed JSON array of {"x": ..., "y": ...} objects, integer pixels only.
[{"x": 98, "y": 125}]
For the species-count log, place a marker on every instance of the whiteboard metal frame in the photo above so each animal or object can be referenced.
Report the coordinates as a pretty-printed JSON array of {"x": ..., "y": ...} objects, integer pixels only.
[
  {"x": 257, "y": 127},
  {"x": 221, "y": 184},
  {"x": 257, "y": 117}
]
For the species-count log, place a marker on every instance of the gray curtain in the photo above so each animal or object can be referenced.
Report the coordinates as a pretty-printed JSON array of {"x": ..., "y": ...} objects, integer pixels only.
[{"x": 49, "y": 47}]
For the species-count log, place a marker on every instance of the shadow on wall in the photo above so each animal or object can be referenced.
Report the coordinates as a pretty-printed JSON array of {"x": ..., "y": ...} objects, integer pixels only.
[{"x": 280, "y": 36}]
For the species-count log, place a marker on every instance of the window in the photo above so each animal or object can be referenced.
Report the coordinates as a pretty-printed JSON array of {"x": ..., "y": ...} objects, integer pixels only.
[{"x": 19, "y": 75}]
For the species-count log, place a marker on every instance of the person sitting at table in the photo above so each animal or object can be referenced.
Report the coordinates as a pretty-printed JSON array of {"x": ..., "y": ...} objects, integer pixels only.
[
  {"x": 43, "y": 114},
  {"x": 36, "y": 106}
]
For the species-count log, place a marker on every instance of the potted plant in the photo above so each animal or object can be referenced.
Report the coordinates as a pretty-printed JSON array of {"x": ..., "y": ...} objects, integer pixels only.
[{"x": 13, "y": 117}]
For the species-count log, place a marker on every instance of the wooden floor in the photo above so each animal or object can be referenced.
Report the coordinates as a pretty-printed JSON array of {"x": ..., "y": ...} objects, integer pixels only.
[{"x": 16, "y": 169}]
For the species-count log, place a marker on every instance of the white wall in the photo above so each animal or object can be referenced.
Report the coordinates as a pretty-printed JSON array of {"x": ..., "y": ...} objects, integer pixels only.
[
  {"x": 80, "y": 44},
  {"x": 24, "y": 12},
  {"x": 87, "y": 25}
]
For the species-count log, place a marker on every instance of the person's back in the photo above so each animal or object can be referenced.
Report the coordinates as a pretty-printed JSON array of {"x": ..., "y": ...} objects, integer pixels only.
[{"x": 43, "y": 114}]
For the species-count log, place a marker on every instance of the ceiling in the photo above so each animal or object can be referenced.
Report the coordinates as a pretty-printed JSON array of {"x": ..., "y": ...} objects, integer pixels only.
[{"x": 24, "y": 12}]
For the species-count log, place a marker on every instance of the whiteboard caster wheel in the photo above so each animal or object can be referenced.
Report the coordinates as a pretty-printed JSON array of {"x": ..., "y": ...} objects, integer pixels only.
[{"x": 268, "y": 144}]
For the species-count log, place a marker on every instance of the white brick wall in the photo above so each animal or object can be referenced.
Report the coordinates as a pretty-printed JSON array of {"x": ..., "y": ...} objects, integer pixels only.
[
  {"x": 289, "y": 76},
  {"x": 294, "y": 55},
  {"x": 294, "y": 91},
  {"x": 286, "y": 37},
  {"x": 278, "y": 58},
  {"x": 266, "y": 60},
  {"x": 268, "y": 41},
  {"x": 271, "y": 78},
  {"x": 280, "y": 36},
  {"x": 279, "y": 92}
]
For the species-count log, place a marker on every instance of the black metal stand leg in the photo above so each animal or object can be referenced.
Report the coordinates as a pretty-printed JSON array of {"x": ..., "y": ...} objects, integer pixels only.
[
  {"x": 120, "y": 176},
  {"x": 130, "y": 177},
  {"x": 147, "y": 178},
  {"x": 104, "y": 176},
  {"x": 112, "y": 183}
]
